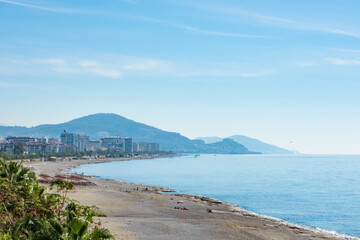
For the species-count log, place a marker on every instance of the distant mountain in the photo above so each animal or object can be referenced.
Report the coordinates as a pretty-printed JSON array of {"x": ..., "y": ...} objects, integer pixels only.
[
  {"x": 208, "y": 140},
  {"x": 107, "y": 124},
  {"x": 250, "y": 143},
  {"x": 227, "y": 146}
]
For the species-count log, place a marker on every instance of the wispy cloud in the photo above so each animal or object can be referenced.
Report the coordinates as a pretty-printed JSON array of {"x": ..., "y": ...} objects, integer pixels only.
[
  {"x": 55, "y": 61},
  {"x": 22, "y": 86},
  {"x": 226, "y": 73},
  {"x": 269, "y": 20},
  {"x": 340, "y": 61},
  {"x": 42, "y": 8},
  {"x": 136, "y": 17},
  {"x": 188, "y": 27},
  {"x": 253, "y": 74},
  {"x": 345, "y": 50},
  {"x": 338, "y": 31},
  {"x": 87, "y": 67},
  {"x": 219, "y": 33},
  {"x": 12, "y": 85},
  {"x": 306, "y": 63},
  {"x": 92, "y": 68},
  {"x": 108, "y": 66},
  {"x": 143, "y": 65}
]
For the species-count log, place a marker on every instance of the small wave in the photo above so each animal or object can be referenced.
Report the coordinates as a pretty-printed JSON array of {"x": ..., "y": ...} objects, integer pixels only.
[{"x": 290, "y": 224}]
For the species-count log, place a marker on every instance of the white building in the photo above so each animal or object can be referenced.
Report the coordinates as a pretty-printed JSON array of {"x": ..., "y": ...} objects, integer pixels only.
[
  {"x": 74, "y": 142},
  {"x": 123, "y": 144}
]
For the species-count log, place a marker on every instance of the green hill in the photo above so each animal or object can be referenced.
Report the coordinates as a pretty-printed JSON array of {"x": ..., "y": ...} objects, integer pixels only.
[{"x": 107, "y": 124}]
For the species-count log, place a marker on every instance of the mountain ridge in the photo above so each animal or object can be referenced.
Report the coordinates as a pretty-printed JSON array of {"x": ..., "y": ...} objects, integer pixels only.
[
  {"x": 251, "y": 143},
  {"x": 109, "y": 124}
]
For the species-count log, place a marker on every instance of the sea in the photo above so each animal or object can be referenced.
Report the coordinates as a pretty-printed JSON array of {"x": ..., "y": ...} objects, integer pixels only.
[{"x": 321, "y": 192}]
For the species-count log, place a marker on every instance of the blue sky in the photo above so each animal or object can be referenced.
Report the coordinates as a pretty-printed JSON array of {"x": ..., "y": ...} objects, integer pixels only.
[{"x": 285, "y": 72}]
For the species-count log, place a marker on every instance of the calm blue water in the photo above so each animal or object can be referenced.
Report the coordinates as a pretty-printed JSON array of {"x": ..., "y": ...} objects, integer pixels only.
[{"x": 314, "y": 190}]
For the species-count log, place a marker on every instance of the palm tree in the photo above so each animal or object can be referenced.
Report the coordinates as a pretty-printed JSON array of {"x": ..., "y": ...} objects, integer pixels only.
[
  {"x": 74, "y": 228},
  {"x": 80, "y": 229},
  {"x": 15, "y": 172},
  {"x": 5, "y": 237}
]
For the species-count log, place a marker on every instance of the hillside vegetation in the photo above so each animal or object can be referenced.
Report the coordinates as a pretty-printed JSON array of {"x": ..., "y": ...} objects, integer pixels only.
[{"x": 29, "y": 211}]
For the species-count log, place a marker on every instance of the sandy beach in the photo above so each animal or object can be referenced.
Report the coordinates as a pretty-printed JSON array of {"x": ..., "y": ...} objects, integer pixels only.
[{"x": 144, "y": 212}]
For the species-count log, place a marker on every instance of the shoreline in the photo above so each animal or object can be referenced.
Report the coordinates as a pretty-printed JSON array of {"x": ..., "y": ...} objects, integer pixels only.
[
  {"x": 279, "y": 220},
  {"x": 227, "y": 214}
]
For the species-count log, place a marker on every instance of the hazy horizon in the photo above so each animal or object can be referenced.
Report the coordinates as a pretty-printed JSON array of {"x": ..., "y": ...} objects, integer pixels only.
[{"x": 285, "y": 73}]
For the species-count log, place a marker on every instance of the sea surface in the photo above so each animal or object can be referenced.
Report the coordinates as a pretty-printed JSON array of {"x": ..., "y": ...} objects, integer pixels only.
[{"x": 318, "y": 191}]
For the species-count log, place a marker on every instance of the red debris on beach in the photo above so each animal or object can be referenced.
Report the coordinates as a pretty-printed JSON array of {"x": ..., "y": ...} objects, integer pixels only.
[
  {"x": 45, "y": 176},
  {"x": 181, "y": 208},
  {"x": 74, "y": 179}
]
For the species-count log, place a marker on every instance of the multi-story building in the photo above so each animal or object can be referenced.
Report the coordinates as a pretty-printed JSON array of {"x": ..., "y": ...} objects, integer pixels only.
[
  {"x": 7, "y": 147},
  {"x": 139, "y": 147},
  {"x": 82, "y": 142},
  {"x": 128, "y": 145},
  {"x": 146, "y": 147},
  {"x": 34, "y": 147},
  {"x": 53, "y": 140},
  {"x": 123, "y": 144},
  {"x": 112, "y": 142},
  {"x": 74, "y": 142},
  {"x": 12, "y": 139},
  {"x": 40, "y": 147},
  {"x": 52, "y": 147},
  {"x": 42, "y": 140},
  {"x": 153, "y": 147},
  {"x": 135, "y": 147},
  {"x": 31, "y": 145},
  {"x": 95, "y": 145},
  {"x": 2, "y": 144},
  {"x": 68, "y": 138},
  {"x": 68, "y": 148}
]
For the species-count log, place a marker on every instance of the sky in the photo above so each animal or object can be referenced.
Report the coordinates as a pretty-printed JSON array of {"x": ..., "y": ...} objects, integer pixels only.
[{"x": 284, "y": 72}]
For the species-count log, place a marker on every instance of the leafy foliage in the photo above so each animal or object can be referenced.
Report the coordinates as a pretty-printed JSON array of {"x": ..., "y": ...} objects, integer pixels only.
[{"x": 28, "y": 211}]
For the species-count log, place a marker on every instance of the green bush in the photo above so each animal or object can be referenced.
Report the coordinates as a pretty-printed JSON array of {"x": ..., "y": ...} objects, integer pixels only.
[{"x": 28, "y": 211}]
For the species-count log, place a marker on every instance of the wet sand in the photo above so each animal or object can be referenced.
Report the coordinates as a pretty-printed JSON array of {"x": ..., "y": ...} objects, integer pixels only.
[{"x": 143, "y": 212}]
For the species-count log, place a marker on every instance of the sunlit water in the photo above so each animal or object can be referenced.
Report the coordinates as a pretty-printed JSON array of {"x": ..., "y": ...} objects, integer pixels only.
[{"x": 314, "y": 190}]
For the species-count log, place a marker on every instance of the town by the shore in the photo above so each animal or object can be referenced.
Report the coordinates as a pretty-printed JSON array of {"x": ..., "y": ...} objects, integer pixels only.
[{"x": 144, "y": 212}]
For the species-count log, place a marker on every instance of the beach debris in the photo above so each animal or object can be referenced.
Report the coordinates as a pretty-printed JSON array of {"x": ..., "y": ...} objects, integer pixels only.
[
  {"x": 209, "y": 210},
  {"x": 204, "y": 199},
  {"x": 179, "y": 202},
  {"x": 181, "y": 208},
  {"x": 211, "y": 200},
  {"x": 72, "y": 178},
  {"x": 44, "y": 176},
  {"x": 166, "y": 190}
]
